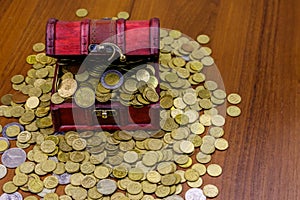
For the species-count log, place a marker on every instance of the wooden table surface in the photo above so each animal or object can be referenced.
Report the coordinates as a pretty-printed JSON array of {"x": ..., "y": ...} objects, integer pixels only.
[{"x": 256, "y": 46}]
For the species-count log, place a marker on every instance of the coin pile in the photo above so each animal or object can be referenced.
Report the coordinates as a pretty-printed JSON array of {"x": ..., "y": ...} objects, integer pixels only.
[
  {"x": 137, "y": 88},
  {"x": 121, "y": 164}
]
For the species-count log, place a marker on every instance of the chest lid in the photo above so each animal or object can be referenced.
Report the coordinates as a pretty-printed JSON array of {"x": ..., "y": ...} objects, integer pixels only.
[{"x": 78, "y": 38}]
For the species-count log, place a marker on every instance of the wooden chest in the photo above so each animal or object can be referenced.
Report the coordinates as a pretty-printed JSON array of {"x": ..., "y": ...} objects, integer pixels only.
[{"x": 117, "y": 56}]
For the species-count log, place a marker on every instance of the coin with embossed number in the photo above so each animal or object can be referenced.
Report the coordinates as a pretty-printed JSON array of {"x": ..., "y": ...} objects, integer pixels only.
[
  {"x": 13, "y": 157},
  {"x": 194, "y": 194}
]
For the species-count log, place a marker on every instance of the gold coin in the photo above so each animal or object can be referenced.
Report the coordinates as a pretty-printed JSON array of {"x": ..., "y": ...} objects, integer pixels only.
[
  {"x": 189, "y": 98},
  {"x": 38, "y": 47},
  {"x": 210, "y": 191},
  {"x": 4, "y": 145},
  {"x": 216, "y": 132},
  {"x": 150, "y": 158},
  {"x": 48, "y": 146},
  {"x": 210, "y": 85},
  {"x": 30, "y": 198},
  {"x": 17, "y": 79},
  {"x": 182, "y": 119},
  {"x": 214, "y": 170},
  {"x": 81, "y": 12},
  {"x": 32, "y": 102},
  {"x": 221, "y": 144},
  {"x": 20, "y": 179},
  {"x": 233, "y": 111},
  {"x": 50, "y": 182},
  {"x": 162, "y": 191},
  {"x": 168, "y": 179},
  {"x": 79, "y": 144},
  {"x": 148, "y": 187},
  {"x": 188, "y": 164},
  {"x": 31, "y": 59},
  {"x": 219, "y": 94},
  {"x": 207, "y": 61},
  {"x": 131, "y": 156},
  {"x": 218, "y": 120},
  {"x": 88, "y": 181},
  {"x": 67, "y": 88},
  {"x": 195, "y": 184},
  {"x": 136, "y": 174},
  {"x": 51, "y": 196},
  {"x": 101, "y": 172},
  {"x": 93, "y": 193},
  {"x": 76, "y": 179},
  {"x": 200, "y": 168},
  {"x": 234, "y": 98},
  {"x": 134, "y": 188},
  {"x": 203, "y": 39},
  {"x": 9, "y": 187},
  {"x": 27, "y": 167},
  {"x": 175, "y": 34},
  {"x": 123, "y": 15},
  {"x": 191, "y": 175},
  {"x": 38, "y": 170},
  {"x": 48, "y": 165},
  {"x": 197, "y": 128},
  {"x": 153, "y": 177},
  {"x": 187, "y": 147},
  {"x": 35, "y": 185},
  {"x": 120, "y": 172},
  {"x": 203, "y": 158},
  {"x": 84, "y": 97},
  {"x": 13, "y": 131},
  {"x": 24, "y": 136}
]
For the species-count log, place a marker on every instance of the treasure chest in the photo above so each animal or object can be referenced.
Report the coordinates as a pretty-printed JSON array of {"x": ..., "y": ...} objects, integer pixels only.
[{"x": 106, "y": 74}]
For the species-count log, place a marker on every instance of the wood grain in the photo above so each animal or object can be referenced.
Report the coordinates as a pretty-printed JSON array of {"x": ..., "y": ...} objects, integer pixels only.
[{"x": 256, "y": 46}]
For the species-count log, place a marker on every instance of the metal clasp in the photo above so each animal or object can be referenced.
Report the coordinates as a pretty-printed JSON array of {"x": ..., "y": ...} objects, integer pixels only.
[{"x": 105, "y": 113}]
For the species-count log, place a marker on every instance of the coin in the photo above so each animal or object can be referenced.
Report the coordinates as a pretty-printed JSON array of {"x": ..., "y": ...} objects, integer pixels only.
[
  {"x": 84, "y": 97},
  {"x": 3, "y": 171},
  {"x": 9, "y": 187},
  {"x": 67, "y": 88},
  {"x": 13, "y": 157},
  {"x": 218, "y": 120},
  {"x": 233, "y": 111},
  {"x": 32, "y": 102},
  {"x": 203, "y": 158},
  {"x": 13, "y": 196},
  {"x": 17, "y": 79},
  {"x": 194, "y": 193},
  {"x": 81, "y": 12},
  {"x": 106, "y": 186},
  {"x": 4, "y": 144},
  {"x": 210, "y": 191},
  {"x": 38, "y": 47},
  {"x": 203, "y": 39},
  {"x": 112, "y": 79},
  {"x": 6, "y": 99},
  {"x": 48, "y": 194},
  {"x": 214, "y": 170},
  {"x": 64, "y": 178},
  {"x": 20, "y": 179},
  {"x": 234, "y": 98},
  {"x": 50, "y": 182},
  {"x": 123, "y": 15},
  {"x": 221, "y": 144}
]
